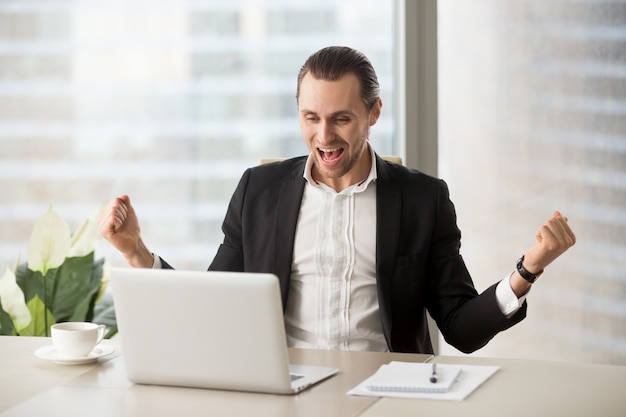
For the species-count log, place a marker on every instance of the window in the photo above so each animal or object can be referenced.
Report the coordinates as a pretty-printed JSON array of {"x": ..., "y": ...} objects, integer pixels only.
[
  {"x": 168, "y": 101},
  {"x": 532, "y": 104}
]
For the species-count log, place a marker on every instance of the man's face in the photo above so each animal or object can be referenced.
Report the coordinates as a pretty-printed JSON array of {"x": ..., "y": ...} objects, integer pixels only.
[{"x": 335, "y": 124}]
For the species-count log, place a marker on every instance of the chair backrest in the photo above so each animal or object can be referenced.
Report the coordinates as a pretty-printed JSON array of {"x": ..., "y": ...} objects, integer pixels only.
[{"x": 391, "y": 158}]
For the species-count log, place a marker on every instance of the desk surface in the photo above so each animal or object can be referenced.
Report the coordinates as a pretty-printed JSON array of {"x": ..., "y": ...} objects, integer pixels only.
[
  {"x": 526, "y": 388},
  {"x": 30, "y": 386},
  {"x": 33, "y": 386}
]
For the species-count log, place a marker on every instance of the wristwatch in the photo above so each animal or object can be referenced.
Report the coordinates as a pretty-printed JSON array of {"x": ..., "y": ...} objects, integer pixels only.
[{"x": 528, "y": 276}]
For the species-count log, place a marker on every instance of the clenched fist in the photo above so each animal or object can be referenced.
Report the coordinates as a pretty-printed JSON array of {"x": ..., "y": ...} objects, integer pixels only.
[{"x": 119, "y": 225}]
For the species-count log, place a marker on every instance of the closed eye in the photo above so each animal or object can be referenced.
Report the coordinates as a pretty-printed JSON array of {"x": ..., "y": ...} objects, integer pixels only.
[{"x": 309, "y": 116}]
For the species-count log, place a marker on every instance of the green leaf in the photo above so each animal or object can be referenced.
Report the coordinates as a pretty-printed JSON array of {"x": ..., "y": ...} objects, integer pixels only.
[
  {"x": 38, "y": 325},
  {"x": 76, "y": 287},
  {"x": 12, "y": 299},
  {"x": 49, "y": 243},
  {"x": 72, "y": 290},
  {"x": 29, "y": 281},
  {"x": 104, "y": 313},
  {"x": 6, "y": 323}
]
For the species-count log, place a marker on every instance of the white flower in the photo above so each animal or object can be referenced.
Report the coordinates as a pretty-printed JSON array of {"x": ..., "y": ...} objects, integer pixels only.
[
  {"x": 49, "y": 243},
  {"x": 12, "y": 299},
  {"x": 87, "y": 237}
]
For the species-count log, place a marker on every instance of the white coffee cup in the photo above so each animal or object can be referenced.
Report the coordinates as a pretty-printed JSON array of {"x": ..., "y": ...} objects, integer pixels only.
[{"x": 76, "y": 339}]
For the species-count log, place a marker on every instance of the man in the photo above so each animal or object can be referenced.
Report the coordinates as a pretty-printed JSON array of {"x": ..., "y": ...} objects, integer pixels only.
[{"x": 362, "y": 247}]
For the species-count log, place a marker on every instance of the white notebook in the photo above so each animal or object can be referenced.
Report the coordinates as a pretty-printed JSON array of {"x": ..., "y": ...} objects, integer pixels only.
[
  {"x": 412, "y": 380},
  {"x": 413, "y": 377}
]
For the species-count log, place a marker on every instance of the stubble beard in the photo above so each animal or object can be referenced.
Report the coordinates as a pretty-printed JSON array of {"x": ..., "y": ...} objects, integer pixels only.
[{"x": 351, "y": 163}]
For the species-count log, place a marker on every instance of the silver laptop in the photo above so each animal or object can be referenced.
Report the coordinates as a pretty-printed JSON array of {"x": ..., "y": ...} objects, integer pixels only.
[{"x": 219, "y": 330}]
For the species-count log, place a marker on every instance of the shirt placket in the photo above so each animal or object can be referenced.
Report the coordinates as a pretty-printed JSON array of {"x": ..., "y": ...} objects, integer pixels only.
[{"x": 335, "y": 262}]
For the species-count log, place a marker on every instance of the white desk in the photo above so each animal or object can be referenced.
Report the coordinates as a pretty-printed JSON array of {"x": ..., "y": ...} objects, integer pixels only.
[
  {"x": 33, "y": 387},
  {"x": 526, "y": 388}
]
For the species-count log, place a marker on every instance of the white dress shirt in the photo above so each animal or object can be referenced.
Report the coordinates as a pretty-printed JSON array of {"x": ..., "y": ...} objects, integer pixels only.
[{"x": 333, "y": 301}]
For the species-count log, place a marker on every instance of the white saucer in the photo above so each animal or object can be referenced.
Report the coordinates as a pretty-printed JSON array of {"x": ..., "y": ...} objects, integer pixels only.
[{"x": 51, "y": 354}]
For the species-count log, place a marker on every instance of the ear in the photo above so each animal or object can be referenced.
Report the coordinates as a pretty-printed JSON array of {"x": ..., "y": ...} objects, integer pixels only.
[{"x": 375, "y": 112}]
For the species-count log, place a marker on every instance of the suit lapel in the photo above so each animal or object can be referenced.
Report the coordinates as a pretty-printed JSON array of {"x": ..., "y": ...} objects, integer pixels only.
[
  {"x": 388, "y": 214},
  {"x": 287, "y": 211}
]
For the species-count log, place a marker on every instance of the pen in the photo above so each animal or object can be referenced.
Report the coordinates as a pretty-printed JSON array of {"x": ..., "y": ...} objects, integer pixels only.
[{"x": 433, "y": 376}]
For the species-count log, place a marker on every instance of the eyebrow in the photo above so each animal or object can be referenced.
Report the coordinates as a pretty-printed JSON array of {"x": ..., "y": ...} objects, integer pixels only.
[{"x": 334, "y": 114}]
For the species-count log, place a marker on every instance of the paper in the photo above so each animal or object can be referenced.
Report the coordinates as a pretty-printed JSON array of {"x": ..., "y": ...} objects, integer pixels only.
[
  {"x": 413, "y": 377},
  {"x": 401, "y": 380}
]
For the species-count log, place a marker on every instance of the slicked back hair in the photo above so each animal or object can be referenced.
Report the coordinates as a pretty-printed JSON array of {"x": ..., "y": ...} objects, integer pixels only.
[{"x": 333, "y": 62}]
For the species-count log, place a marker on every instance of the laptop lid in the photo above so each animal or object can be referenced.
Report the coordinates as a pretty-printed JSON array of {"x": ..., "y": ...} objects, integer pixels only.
[{"x": 221, "y": 330}]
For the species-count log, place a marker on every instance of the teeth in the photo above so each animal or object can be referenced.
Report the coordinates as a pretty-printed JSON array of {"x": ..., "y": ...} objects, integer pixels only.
[{"x": 328, "y": 154}]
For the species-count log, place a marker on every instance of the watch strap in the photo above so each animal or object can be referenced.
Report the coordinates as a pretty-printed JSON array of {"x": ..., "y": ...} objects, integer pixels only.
[{"x": 525, "y": 273}]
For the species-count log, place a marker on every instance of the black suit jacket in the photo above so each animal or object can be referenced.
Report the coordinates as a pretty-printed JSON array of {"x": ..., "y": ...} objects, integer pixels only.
[{"x": 418, "y": 264}]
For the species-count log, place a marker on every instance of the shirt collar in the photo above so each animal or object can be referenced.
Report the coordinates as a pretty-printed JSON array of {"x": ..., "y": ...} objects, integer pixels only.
[{"x": 354, "y": 188}]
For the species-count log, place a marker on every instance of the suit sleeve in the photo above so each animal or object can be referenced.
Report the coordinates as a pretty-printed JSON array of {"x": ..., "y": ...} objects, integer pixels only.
[{"x": 467, "y": 320}]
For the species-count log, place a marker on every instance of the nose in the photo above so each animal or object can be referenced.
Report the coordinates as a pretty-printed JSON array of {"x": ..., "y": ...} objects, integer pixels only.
[{"x": 325, "y": 133}]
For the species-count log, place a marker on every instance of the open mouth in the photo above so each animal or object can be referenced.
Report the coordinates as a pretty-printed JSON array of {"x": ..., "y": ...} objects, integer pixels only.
[{"x": 330, "y": 155}]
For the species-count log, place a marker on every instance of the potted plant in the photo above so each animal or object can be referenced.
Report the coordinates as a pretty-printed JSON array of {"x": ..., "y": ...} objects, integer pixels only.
[{"x": 60, "y": 281}]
